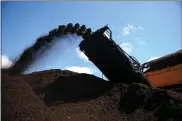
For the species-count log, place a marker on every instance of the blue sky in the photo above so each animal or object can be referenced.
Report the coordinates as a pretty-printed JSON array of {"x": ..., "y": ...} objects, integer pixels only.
[{"x": 144, "y": 29}]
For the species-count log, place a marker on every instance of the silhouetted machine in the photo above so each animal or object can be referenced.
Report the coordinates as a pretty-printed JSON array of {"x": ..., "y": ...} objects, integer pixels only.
[{"x": 112, "y": 60}]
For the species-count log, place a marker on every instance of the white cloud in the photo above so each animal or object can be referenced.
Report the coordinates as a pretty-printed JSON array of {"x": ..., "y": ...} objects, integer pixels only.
[
  {"x": 81, "y": 69},
  {"x": 153, "y": 58},
  {"x": 82, "y": 55},
  {"x": 128, "y": 28},
  {"x": 127, "y": 47},
  {"x": 6, "y": 62}
]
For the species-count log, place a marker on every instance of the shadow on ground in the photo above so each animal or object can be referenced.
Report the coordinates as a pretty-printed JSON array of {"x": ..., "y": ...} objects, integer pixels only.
[{"x": 75, "y": 88}]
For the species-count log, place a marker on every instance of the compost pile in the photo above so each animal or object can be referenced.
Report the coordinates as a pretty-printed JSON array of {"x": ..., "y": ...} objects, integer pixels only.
[
  {"x": 62, "y": 95},
  {"x": 81, "y": 97}
]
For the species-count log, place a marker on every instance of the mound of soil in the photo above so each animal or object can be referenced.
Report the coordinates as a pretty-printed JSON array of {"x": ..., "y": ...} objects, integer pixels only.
[{"x": 60, "y": 95}]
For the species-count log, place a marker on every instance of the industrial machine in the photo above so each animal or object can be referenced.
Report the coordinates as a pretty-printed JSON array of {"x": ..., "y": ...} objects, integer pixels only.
[
  {"x": 112, "y": 60},
  {"x": 166, "y": 72}
]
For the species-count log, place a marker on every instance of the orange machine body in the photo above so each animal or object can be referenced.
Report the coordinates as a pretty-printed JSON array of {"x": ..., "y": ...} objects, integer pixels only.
[
  {"x": 166, "y": 72},
  {"x": 167, "y": 76}
]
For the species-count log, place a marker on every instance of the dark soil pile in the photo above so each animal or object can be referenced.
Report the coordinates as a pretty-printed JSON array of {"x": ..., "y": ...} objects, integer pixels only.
[{"x": 58, "y": 95}]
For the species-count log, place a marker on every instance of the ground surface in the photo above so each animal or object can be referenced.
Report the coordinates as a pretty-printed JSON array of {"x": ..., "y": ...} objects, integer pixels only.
[{"x": 81, "y": 97}]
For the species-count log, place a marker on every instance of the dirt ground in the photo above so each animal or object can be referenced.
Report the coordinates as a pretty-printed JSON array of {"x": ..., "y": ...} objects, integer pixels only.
[{"x": 58, "y": 95}]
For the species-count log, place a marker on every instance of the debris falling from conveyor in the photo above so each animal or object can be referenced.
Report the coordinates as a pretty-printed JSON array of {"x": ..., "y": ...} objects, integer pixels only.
[
  {"x": 51, "y": 53},
  {"x": 45, "y": 43}
]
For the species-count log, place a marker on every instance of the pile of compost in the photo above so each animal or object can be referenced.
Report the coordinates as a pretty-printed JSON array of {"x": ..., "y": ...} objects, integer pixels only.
[{"x": 61, "y": 95}]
